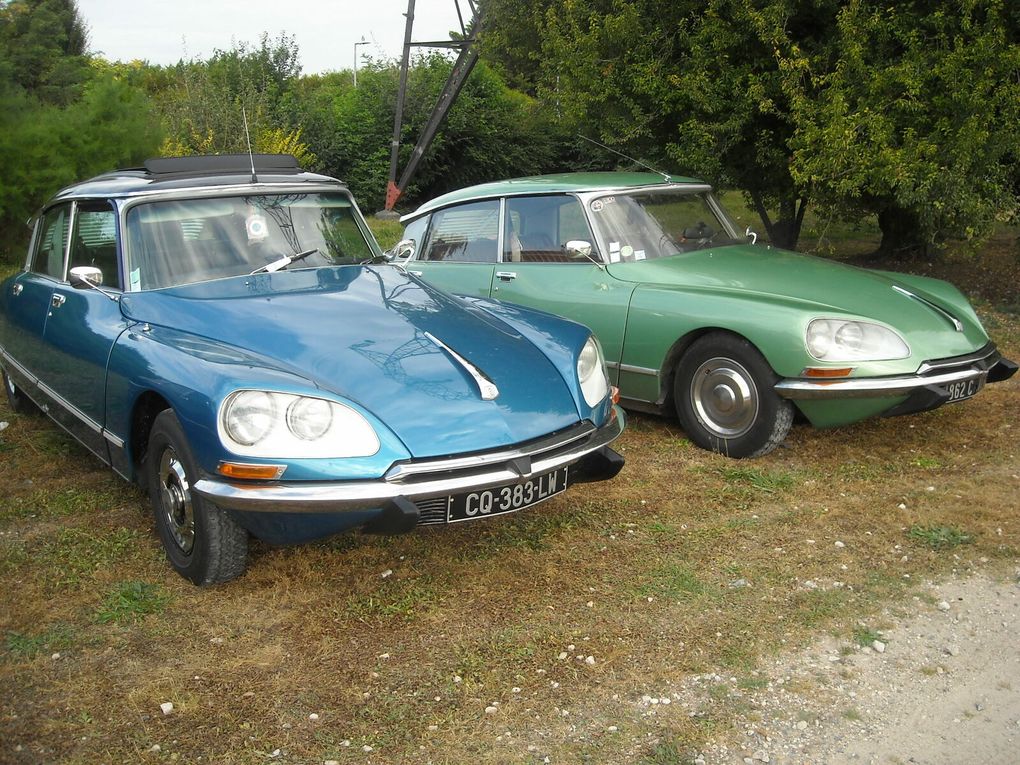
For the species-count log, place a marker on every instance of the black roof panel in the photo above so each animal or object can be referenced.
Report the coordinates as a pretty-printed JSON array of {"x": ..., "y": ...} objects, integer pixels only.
[{"x": 221, "y": 164}]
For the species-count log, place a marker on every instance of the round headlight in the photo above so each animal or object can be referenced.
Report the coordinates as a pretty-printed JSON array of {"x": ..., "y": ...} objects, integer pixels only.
[
  {"x": 850, "y": 336},
  {"x": 843, "y": 340},
  {"x": 250, "y": 416},
  {"x": 591, "y": 372},
  {"x": 309, "y": 418}
]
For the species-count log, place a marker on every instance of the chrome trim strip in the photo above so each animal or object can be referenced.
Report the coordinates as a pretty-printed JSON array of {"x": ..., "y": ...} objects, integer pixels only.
[
  {"x": 874, "y": 387},
  {"x": 68, "y": 407},
  {"x": 403, "y": 471},
  {"x": 8, "y": 359},
  {"x": 938, "y": 309},
  {"x": 114, "y": 440},
  {"x": 636, "y": 370},
  {"x": 989, "y": 353},
  {"x": 345, "y": 496},
  {"x": 486, "y": 387}
]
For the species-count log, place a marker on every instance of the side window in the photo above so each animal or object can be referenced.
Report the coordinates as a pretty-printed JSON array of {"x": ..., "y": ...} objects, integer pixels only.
[
  {"x": 48, "y": 258},
  {"x": 94, "y": 241},
  {"x": 537, "y": 228},
  {"x": 415, "y": 231},
  {"x": 465, "y": 234}
]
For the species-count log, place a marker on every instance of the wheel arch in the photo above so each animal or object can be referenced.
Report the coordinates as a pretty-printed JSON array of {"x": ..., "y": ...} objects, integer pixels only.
[
  {"x": 147, "y": 407},
  {"x": 667, "y": 374}
]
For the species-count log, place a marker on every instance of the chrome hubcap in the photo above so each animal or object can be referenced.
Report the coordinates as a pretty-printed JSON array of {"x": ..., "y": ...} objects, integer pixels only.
[
  {"x": 724, "y": 397},
  {"x": 175, "y": 499}
]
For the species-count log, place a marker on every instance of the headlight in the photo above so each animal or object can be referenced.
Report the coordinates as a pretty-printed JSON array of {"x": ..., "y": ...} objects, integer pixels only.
[
  {"x": 591, "y": 371},
  {"x": 841, "y": 340},
  {"x": 257, "y": 423}
]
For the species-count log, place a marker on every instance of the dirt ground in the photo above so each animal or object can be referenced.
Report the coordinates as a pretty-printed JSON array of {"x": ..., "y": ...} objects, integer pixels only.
[{"x": 943, "y": 686}]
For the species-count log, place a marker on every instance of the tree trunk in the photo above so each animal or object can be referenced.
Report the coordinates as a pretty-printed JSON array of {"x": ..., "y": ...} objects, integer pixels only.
[
  {"x": 785, "y": 231},
  {"x": 901, "y": 234}
]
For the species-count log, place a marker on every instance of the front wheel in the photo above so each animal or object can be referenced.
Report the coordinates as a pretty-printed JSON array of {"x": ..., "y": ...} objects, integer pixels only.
[
  {"x": 725, "y": 399},
  {"x": 204, "y": 544}
]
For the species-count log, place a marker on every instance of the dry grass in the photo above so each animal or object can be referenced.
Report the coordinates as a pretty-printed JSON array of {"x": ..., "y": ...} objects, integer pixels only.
[{"x": 689, "y": 564}]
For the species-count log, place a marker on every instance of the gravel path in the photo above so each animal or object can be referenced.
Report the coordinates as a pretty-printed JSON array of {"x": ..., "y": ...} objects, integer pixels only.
[{"x": 941, "y": 686}]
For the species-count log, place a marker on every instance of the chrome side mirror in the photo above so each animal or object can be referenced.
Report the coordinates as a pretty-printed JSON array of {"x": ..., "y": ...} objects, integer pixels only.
[
  {"x": 402, "y": 250},
  {"x": 751, "y": 234},
  {"x": 579, "y": 248},
  {"x": 85, "y": 277}
]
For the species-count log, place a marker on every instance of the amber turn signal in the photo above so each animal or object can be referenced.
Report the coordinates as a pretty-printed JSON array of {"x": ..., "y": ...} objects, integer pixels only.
[
  {"x": 614, "y": 393},
  {"x": 251, "y": 472},
  {"x": 826, "y": 372}
]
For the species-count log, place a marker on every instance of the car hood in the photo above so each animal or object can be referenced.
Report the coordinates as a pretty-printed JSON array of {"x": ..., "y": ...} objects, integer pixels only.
[
  {"x": 368, "y": 334},
  {"x": 823, "y": 288}
]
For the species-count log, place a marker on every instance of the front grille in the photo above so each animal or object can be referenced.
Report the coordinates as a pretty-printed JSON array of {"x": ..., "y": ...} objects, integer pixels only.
[{"x": 432, "y": 511}]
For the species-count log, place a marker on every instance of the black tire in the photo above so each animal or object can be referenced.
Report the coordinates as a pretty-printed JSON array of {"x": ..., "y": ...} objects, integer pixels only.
[
  {"x": 724, "y": 396},
  {"x": 16, "y": 398},
  {"x": 202, "y": 541}
]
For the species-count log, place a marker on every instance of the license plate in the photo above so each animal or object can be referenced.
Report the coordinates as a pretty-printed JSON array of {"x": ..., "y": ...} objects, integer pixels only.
[
  {"x": 964, "y": 389},
  {"x": 506, "y": 499}
]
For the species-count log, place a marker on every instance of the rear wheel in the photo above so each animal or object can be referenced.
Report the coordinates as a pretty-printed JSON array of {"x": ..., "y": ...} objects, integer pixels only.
[
  {"x": 16, "y": 397},
  {"x": 202, "y": 541},
  {"x": 725, "y": 399}
]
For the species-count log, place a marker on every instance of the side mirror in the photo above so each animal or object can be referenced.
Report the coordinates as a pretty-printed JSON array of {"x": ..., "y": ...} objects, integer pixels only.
[
  {"x": 85, "y": 277},
  {"x": 751, "y": 234},
  {"x": 402, "y": 250},
  {"x": 579, "y": 248}
]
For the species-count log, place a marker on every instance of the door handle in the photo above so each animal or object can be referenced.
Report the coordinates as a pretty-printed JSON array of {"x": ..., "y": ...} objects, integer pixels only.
[
  {"x": 57, "y": 300},
  {"x": 506, "y": 276},
  {"x": 17, "y": 288}
]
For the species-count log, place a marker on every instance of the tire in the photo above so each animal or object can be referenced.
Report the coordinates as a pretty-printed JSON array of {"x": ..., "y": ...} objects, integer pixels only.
[
  {"x": 204, "y": 544},
  {"x": 16, "y": 398},
  {"x": 724, "y": 396}
]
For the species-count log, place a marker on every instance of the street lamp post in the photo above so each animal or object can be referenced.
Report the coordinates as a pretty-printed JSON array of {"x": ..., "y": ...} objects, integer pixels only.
[{"x": 363, "y": 41}]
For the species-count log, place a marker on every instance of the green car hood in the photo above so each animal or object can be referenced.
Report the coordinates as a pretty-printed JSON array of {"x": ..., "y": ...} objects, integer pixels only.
[{"x": 821, "y": 288}]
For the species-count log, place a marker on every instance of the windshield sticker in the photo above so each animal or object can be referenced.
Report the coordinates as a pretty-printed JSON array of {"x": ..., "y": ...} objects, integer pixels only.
[
  {"x": 614, "y": 256},
  {"x": 614, "y": 246},
  {"x": 135, "y": 279},
  {"x": 627, "y": 252},
  {"x": 596, "y": 205},
  {"x": 639, "y": 254},
  {"x": 256, "y": 227}
]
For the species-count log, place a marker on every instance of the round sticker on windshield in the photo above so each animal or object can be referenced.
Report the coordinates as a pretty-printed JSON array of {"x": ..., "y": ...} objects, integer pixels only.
[
  {"x": 256, "y": 227},
  {"x": 596, "y": 205}
]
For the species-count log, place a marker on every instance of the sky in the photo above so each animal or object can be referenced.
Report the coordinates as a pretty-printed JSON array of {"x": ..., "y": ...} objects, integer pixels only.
[{"x": 166, "y": 31}]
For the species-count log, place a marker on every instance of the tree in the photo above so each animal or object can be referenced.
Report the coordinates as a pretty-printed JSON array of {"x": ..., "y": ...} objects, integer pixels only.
[
  {"x": 908, "y": 110},
  {"x": 918, "y": 120},
  {"x": 43, "y": 45}
]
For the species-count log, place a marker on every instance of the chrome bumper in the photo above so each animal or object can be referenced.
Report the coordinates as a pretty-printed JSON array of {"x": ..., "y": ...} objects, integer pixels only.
[
  {"x": 982, "y": 365},
  {"x": 417, "y": 480}
]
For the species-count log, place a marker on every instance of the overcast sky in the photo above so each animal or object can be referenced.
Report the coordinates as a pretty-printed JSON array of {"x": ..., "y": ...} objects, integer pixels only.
[{"x": 166, "y": 31}]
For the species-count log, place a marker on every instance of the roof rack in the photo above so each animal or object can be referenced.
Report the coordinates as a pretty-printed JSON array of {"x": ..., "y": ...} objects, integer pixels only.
[{"x": 219, "y": 164}]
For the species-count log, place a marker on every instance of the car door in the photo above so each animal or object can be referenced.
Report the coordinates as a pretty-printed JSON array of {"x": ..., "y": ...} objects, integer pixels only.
[
  {"x": 460, "y": 247},
  {"x": 538, "y": 270},
  {"x": 80, "y": 328}
]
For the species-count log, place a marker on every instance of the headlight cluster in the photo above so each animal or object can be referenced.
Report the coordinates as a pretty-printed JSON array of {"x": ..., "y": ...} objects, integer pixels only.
[
  {"x": 258, "y": 423},
  {"x": 591, "y": 371},
  {"x": 842, "y": 340}
]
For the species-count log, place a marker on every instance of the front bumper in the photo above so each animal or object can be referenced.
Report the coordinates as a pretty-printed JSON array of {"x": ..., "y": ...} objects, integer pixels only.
[
  {"x": 985, "y": 365},
  {"x": 583, "y": 446}
]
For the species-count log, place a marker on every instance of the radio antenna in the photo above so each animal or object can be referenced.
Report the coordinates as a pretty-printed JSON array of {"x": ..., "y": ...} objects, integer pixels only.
[
  {"x": 626, "y": 156},
  {"x": 247, "y": 138}
]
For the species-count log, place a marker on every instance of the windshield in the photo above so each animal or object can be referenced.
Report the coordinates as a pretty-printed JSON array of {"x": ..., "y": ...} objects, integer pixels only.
[
  {"x": 191, "y": 240},
  {"x": 657, "y": 224}
]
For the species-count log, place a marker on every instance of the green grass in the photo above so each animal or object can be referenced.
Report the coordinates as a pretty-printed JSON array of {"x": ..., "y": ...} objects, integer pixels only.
[
  {"x": 386, "y": 232},
  {"x": 77, "y": 554},
  {"x": 56, "y": 638},
  {"x": 864, "y": 636},
  {"x": 130, "y": 601},
  {"x": 940, "y": 537}
]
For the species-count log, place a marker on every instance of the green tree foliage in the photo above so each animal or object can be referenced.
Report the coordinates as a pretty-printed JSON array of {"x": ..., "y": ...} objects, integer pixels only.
[
  {"x": 43, "y": 48},
  {"x": 204, "y": 103},
  {"x": 61, "y": 119},
  {"x": 491, "y": 132},
  {"x": 908, "y": 110},
  {"x": 918, "y": 120}
]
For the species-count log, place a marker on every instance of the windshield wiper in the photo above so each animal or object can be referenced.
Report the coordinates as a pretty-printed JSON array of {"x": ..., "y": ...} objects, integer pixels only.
[{"x": 282, "y": 263}]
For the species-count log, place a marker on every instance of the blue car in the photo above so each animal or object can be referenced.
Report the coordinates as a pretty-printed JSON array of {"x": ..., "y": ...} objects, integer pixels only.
[{"x": 226, "y": 332}]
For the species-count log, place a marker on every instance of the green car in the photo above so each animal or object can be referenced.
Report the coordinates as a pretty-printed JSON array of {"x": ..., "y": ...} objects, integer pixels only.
[{"x": 693, "y": 316}]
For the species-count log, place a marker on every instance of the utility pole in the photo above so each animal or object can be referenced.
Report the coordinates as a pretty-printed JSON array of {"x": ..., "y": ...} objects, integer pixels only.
[{"x": 466, "y": 61}]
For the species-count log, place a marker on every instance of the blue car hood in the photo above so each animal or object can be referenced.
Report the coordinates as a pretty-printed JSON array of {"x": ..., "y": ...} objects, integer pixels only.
[{"x": 360, "y": 333}]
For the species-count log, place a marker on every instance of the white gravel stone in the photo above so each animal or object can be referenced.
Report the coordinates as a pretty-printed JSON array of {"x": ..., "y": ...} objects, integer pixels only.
[
  {"x": 490, "y": 710},
  {"x": 943, "y": 605},
  {"x": 387, "y": 573},
  {"x": 313, "y": 717},
  {"x": 166, "y": 708},
  {"x": 802, "y": 725},
  {"x": 589, "y": 660},
  {"x": 879, "y": 646},
  {"x": 839, "y": 544}
]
